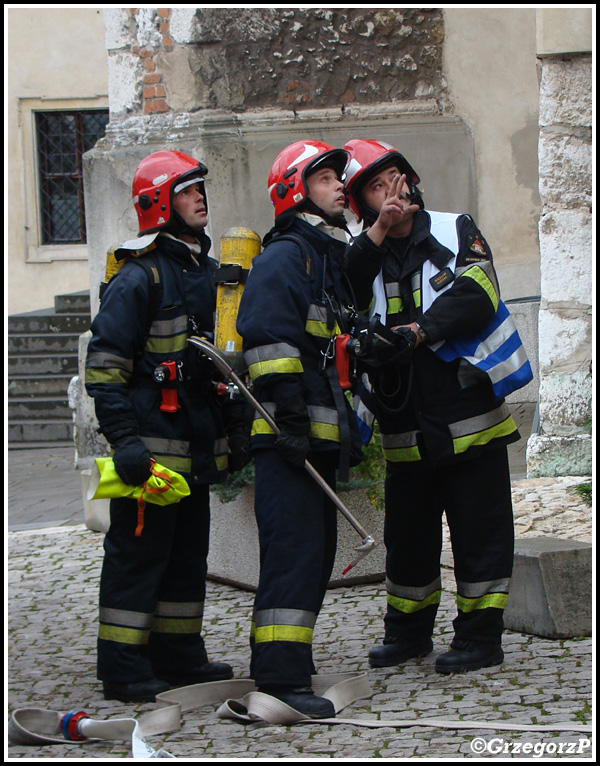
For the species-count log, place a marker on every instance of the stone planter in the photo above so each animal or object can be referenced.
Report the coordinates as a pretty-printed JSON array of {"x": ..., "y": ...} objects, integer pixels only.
[{"x": 234, "y": 558}]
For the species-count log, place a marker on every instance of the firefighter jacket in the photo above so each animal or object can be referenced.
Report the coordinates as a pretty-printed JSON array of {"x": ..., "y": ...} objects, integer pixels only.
[
  {"x": 288, "y": 319},
  {"x": 430, "y": 408},
  {"x": 148, "y": 310}
]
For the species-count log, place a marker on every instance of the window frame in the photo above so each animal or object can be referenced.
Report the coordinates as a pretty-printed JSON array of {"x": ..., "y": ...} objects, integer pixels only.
[{"x": 35, "y": 251}]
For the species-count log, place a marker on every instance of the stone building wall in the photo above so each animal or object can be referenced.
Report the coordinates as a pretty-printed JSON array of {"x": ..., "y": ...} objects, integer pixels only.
[
  {"x": 563, "y": 446},
  {"x": 256, "y": 58}
]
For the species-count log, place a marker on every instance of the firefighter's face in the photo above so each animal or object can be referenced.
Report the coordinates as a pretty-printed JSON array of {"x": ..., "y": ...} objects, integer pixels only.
[
  {"x": 327, "y": 191},
  {"x": 189, "y": 203},
  {"x": 377, "y": 189}
]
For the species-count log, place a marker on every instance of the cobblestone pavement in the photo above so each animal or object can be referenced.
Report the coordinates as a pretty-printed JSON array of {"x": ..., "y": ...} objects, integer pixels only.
[{"x": 52, "y": 586}]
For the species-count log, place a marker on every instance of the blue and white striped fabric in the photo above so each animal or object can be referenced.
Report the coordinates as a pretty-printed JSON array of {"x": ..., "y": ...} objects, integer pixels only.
[{"x": 496, "y": 350}]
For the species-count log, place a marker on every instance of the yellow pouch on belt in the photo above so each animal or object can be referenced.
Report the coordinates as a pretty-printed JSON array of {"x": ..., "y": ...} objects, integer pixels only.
[{"x": 164, "y": 486}]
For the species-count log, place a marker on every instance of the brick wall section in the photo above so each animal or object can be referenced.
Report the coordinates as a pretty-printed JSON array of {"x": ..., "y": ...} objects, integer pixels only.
[{"x": 154, "y": 97}]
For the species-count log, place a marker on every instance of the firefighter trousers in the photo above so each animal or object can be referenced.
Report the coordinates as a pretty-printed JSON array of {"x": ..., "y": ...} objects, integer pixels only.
[
  {"x": 297, "y": 527},
  {"x": 152, "y": 589},
  {"x": 476, "y": 498}
]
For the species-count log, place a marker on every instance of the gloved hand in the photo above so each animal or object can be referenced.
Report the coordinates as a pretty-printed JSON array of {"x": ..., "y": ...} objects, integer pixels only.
[
  {"x": 404, "y": 345},
  {"x": 294, "y": 449},
  {"x": 239, "y": 449},
  {"x": 132, "y": 460},
  {"x": 293, "y": 442}
]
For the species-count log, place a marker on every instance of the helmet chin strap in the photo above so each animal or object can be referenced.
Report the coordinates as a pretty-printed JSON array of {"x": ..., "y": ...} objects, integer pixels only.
[
  {"x": 338, "y": 221},
  {"x": 178, "y": 227}
]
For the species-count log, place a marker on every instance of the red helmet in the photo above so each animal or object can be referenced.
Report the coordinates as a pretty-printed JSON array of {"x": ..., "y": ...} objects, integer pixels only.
[
  {"x": 287, "y": 178},
  {"x": 368, "y": 157},
  {"x": 156, "y": 179}
]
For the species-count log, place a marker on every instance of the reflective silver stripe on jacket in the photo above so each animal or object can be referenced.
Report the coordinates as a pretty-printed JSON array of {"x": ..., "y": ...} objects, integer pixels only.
[
  {"x": 99, "y": 359},
  {"x": 479, "y": 422}
]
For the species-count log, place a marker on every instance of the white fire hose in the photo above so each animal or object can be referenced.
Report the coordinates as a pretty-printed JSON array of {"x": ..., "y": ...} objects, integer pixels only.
[{"x": 239, "y": 700}]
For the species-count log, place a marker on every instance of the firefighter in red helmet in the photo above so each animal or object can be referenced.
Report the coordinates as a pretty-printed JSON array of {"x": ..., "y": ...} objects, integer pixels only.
[
  {"x": 442, "y": 416},
  {"x": 152, "y": 586},
  {"x": 288, "y": 319}
]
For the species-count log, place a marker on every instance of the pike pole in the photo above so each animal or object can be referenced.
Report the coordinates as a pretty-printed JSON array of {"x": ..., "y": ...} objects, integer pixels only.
[{"x": 368, "y": 542}]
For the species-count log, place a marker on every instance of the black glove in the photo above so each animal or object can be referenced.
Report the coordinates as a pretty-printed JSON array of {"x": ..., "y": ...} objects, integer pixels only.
[
  {"x": 295, "y": 449},
  {"x": 239, "y": 449},
  {"x": 293, "y": 442},
  {"x": 132, "y": 460},
  {"x": 404, "y": 344}
]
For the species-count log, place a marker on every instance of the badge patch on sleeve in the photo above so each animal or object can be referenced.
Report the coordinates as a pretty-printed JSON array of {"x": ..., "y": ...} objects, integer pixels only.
[
  {"x": 442, "y": 279},
  {"x": 478, "y": 246}
]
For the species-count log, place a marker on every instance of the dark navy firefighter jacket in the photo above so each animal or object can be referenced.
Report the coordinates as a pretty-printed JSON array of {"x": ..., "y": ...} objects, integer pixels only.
[
  {"x": 287, "y": 319},
  {"x": 147, "y": 313}
]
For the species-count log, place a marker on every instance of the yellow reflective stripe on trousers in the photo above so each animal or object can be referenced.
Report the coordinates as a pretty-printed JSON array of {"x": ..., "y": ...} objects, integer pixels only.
[
  {"x": 283, "y": 624},
  {"x": 482, "y": 595},
  {"x": 495, "y": 600},
  {"x": 176, "y": 625},
  {"x": 294, "y": 633},
  {"x": 408, "y": 606},
  {"x": 123, "y": 635},
  {"x": 409, "y": 599}
]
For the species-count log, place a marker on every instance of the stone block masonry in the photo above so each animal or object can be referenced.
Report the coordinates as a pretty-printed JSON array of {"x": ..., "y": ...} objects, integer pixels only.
[{"x": 239, "y": 59}]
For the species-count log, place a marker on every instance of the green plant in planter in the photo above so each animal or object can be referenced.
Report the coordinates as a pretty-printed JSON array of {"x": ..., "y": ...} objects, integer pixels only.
[
  {"x": 370, "y": 474},
  {"x": 228, "y": 490}
]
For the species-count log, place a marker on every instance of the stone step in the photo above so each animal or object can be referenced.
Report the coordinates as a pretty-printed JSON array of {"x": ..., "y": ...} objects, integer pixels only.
[
  {"x": 42, "y": 364},
  {"x": 44, "y": 385},
  {"x": 50, "y": 343},
  {"x": 52, "y": 431},
  {"x": 43, "y": 350},
  {"x": 39, "y": 408},
  {"x": 73, "y": 303},
  {"x": 46, "y": 320},
  {"x": 57, "y": 444}
]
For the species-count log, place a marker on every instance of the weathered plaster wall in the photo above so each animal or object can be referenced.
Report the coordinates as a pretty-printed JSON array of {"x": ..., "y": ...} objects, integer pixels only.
[
  {"x": 491, "y": 70},
  {"x": 56, "y": 59}
]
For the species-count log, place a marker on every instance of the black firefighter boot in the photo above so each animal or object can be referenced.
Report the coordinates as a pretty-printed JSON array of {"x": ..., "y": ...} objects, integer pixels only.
[
  {"x": 469, "y": 655},
  {"x": 395, "y": 651},
  {"x": 134, "y": 691},
  {"x": 303, "y": 699}
]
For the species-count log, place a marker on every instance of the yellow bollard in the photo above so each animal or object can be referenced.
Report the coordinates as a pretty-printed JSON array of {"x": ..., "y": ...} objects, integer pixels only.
[{"x": 238, "y": 247}]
